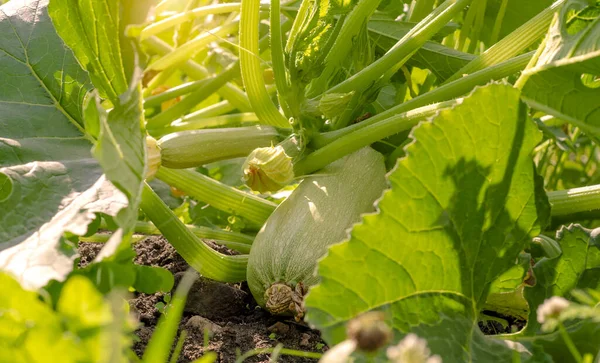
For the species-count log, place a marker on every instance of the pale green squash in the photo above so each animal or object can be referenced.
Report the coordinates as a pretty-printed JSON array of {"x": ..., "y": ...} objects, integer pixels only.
[{"x": 318, "y": 213}]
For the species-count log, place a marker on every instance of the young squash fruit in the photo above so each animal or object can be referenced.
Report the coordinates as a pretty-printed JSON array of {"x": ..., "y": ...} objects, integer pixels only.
[{"x": 317, "y": 214}]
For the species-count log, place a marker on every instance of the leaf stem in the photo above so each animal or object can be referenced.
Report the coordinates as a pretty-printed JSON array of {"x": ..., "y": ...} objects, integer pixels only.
[
  {"x": 148, "y": 228},
  {"x": 343, "y": 44},
  {"x": 171, "y": 21},
  {"x": 179, "y": 109},
  {"x": 198, "y": 255},
  {"x": 192, "y": 122},
  {"x": 250, "y": 61},
  {"x": 190, "y": 48},
  {"x": 278, "y": 58},
  {"x": 284, "y": 351},
  {"x": 404, "y": 48},
  {"x": 569, "y": 342},
  {"x": 218, "y": 195},
  {"x": 449, "y": 91},
  {"x": 356, "y": 140},
  {"x": 230, "y": 92},
  {"x": 574, "y": 200},
  {"x": 183, "y": 89},
  {"x": 513, "y": 44}
]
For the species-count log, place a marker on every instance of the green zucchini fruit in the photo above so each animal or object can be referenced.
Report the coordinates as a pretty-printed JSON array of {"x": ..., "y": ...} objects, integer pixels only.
[
  {"x": 317, "y": 214},
  {"x": 192, "y": 148}
]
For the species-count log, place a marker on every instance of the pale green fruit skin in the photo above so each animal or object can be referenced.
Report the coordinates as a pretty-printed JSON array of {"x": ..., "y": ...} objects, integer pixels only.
[
  {"x": 268, "y": 169},
  {"x": 153, "y": 157},
  {"x": 316, "y": 215},
  {"x": 192, "y": 148}
]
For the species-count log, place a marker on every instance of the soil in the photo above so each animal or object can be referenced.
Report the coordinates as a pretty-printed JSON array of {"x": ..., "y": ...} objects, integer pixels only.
[{"x": 227, "y": 311}]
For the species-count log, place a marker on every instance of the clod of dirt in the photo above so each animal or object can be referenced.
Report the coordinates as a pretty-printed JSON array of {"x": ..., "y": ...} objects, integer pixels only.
[
  {"x": 199, "y": 324},
  {"x": 305, "y": 340},
  {"x": 214, "y": 300},
  {"x": 279, "y": 328}
]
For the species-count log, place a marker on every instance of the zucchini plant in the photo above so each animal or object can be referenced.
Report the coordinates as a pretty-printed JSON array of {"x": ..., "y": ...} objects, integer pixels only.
[{"x": 433, "y": 162}]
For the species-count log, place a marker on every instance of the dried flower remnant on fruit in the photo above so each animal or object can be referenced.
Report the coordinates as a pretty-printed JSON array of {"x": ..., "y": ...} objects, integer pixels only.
[
  {"x": 412, "y": 349},
  {"x": 283, "y": 300},
  {"x": 268, "y": 169},
  {"x": 369, "y": 331},
  {"x": 551, "y": 308},
  {"x": 153, "y": 155}
]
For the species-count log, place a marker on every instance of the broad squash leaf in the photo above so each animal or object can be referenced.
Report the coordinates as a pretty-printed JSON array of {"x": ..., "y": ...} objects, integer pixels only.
[
  {"x": 91, "y": 29},
  {"x": 85, "y": 327},
  {"x": 463, "y": 204},
  {"x": 572, "y": 50},
  {"x": 574, "y": 268},
  {"x": 51, "y": 183}
]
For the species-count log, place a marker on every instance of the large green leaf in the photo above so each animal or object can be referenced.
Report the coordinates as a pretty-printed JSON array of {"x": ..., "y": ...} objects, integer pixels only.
[
  {"x": 84, "y": 328},
  {"x": 463, "y": 203},
  {"x": 51, "y": 184},
  {"x": 91, "y": 29},
  {"x": 572, "y": 49}
]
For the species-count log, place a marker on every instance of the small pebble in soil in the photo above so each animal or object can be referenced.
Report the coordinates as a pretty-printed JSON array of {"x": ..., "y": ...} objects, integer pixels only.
[
  {"x": 279, "y": 328},
  {"x": 199, "y": 324},
  {"x": 305, "y": 340}
]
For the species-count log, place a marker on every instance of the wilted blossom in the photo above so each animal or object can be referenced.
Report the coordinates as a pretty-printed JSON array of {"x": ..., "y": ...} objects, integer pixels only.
[
  {"x": 412, "y": 349},
  {"x": 551, "y": 308},
  {"x": 339, "y": 353}
]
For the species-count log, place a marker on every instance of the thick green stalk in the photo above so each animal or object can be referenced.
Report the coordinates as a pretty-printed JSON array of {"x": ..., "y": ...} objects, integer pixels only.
[
  {"x": 157, "y": 81},
  {"x": 351, "y": 142},
  {"x": 200, "y": 232},
  {"x": 193, "y": 148},
  {"x": 192, "y": 122},
  {"x": 216, "y": 109},
  {"x": 404, "y": 48},
  {"x": 449, "y": 91},
  {"x": 218, "y": 195},
  {"x": 230, "y": 92},
  {"x": 181, "y": 90},
  {"x": 574, "y": 200},
  {"x": 278, "y": 57},
  {"x": 344, "y": 42},
  {"x": 198, "y": 255},
  {"x": 420, "y": 10},
  {"x": 513, "y": 44},
  {"x": 252, "y": 74},
  {"x": 179, "y": 109},
  {"x": 190, "y": 48},
  {"x": 180, "y": 18}
]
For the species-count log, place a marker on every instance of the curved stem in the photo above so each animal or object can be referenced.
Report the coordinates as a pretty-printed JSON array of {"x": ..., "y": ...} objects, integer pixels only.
[
  {"x": 198, "y": 255},
  {"x": 190, "y": 48},
  {"x": 250, "y": 61},
  {"x": 218, "y": 195},
  {"x": 171, "y": 21},
  {"x": 365, "y": 136},
  {"x": 574, "y": 200},
  {"x": 230, "y": 92},
  {"x": 179, "y": 109},
  {"x": 404, "y": 48},
  {"x": 513, "y": 44},
  {"x": 193, "y": 122},
  {"x": 449, "y": 91},
  {"x": 278, "y": 58}
]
